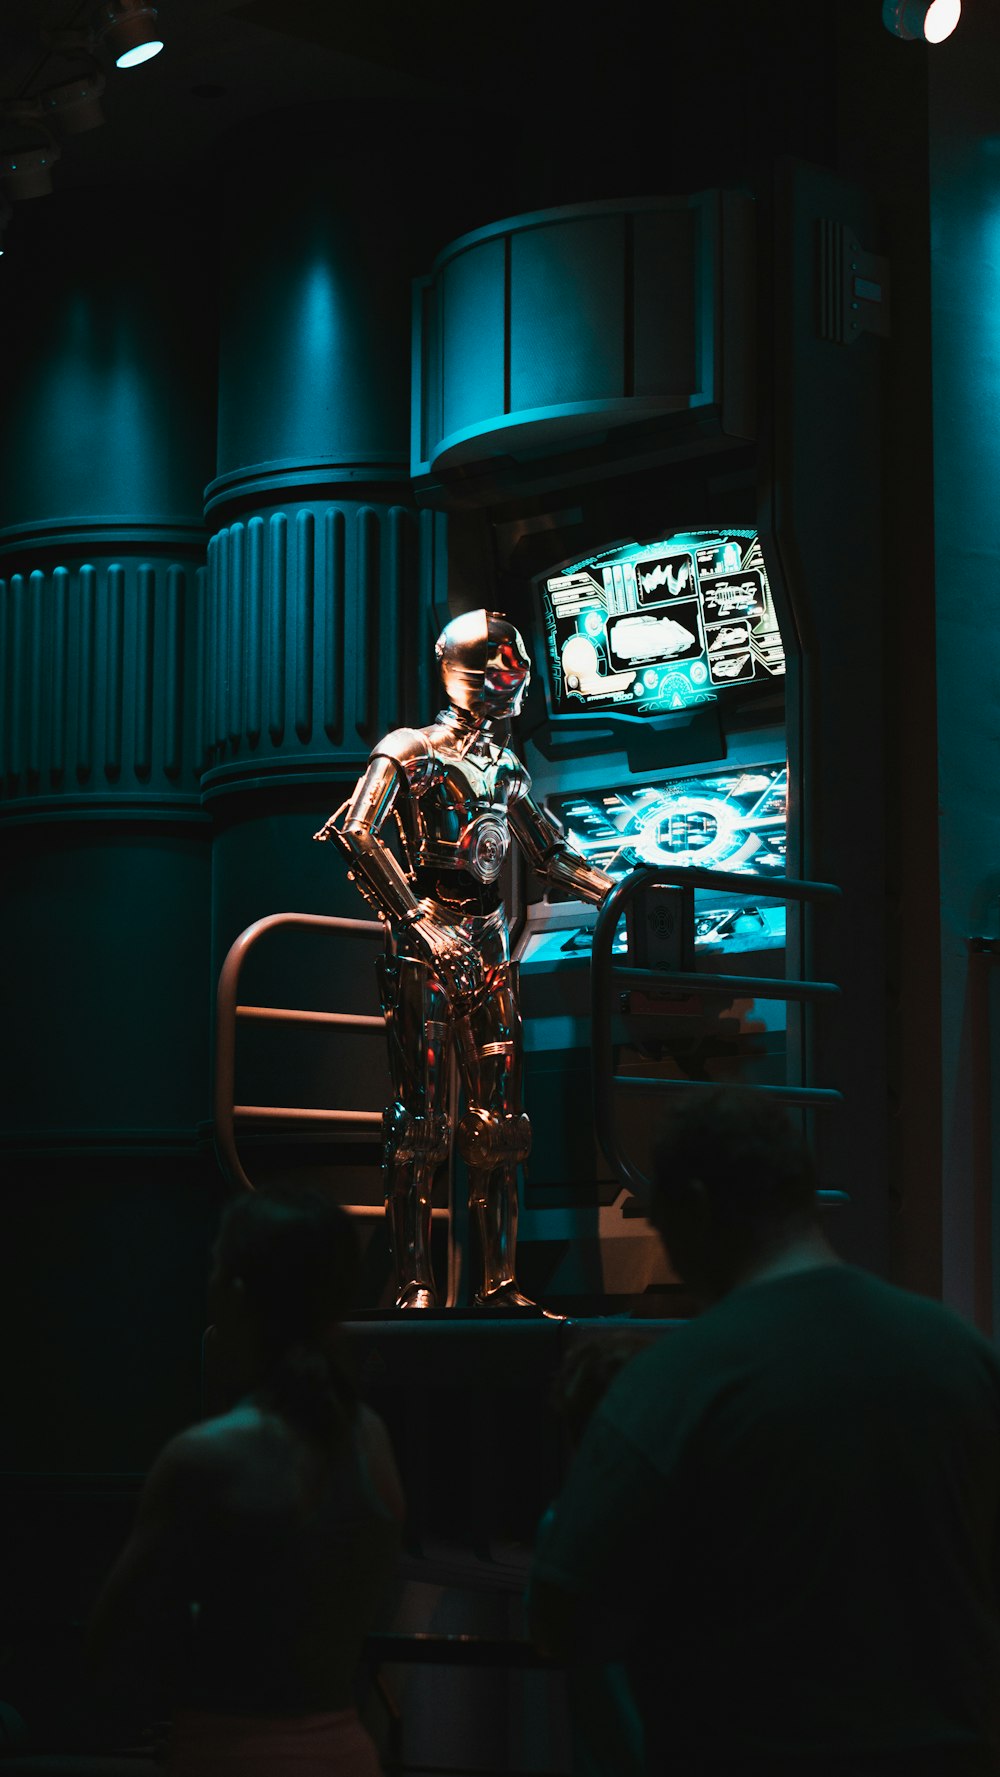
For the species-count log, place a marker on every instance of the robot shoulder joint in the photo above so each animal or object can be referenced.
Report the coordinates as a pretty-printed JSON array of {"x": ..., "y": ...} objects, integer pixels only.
[
  {"x": 410, "y": 750},
  {"x": 519, "y": 780}
]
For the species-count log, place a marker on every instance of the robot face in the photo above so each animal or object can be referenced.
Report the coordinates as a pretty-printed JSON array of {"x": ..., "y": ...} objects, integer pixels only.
[{"x": 484, "y": 664}]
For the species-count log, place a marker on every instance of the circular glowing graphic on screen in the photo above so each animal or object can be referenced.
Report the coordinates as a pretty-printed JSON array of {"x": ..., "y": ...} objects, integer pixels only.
[
  {"x": 675, "y": 691},
  {"x": 692, "y": 830}
]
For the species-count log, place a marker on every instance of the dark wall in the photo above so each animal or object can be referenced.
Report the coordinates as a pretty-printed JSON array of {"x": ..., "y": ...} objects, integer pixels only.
[
  {"x": 107, "y": 439},
  {"x": 218, "y": 590},
  {"x": 964, "y": 209}
]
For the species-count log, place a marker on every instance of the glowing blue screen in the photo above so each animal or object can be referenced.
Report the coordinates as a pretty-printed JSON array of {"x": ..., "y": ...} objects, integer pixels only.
[{"x": 733, "y": 820}]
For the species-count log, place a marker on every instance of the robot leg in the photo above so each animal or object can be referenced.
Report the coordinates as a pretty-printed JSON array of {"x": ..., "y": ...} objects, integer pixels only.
[
  {"x": 414, "y": 1147},
  {"x": 494, "y": 1135},
  {"x": 491, "y": 1144},
  {"x": 416, "y": 1131}
]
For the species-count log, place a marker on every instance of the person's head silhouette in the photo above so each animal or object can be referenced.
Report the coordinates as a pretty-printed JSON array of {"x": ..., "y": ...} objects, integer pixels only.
[{"x": 733, "y": 1187}]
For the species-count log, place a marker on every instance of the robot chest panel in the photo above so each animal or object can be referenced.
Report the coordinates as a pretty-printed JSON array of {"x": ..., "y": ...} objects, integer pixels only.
[
  {"x": 464, "y": 816},
  {"x": 473, "y": 786},
  {"x": 478, "y": 782}
]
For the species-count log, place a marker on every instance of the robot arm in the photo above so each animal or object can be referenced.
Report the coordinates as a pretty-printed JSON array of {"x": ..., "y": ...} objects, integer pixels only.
[
  {"x": 355, "y": 830},
  {"x": 546, "y": 849}
]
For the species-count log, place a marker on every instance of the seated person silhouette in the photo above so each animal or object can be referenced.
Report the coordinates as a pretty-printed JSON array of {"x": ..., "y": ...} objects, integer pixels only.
[
  {"x": 785, "y": 1516},
  {"x": 605, "y": 1732},
  {"x": 265, "y": 1536}
]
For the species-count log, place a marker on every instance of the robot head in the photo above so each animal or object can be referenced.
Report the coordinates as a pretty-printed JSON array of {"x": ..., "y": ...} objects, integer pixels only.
[{"x": 484, "y": 665}]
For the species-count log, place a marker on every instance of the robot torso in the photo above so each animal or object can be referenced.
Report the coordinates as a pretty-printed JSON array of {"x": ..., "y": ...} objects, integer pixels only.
[{"x": 461, "y": 782}]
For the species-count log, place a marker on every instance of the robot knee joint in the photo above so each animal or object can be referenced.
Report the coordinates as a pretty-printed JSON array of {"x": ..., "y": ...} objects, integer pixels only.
[
  {"x": 408, "y": 1138},
  {"x": 490, "y": 1138}
]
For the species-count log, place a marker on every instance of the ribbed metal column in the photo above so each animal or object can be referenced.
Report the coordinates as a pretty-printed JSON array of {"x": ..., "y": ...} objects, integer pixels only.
[
  {"x": 312, "y": 625},
  {"x": 308, "y": 638},
  {"x": 107, "y": 434},
  {"x": 316, "y": 634},
  {"x": 98, "y": 668}
]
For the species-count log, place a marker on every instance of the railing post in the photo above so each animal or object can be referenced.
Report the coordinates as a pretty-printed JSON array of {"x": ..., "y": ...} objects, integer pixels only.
[
  {"x": 602, "y": 1045},
  {"x": 226, "y": 1018},
  {"x": 604, "y": 1078}
]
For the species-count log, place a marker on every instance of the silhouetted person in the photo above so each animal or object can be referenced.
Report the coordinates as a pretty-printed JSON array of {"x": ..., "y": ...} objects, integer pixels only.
[
  {"x": 265, "y": 1536},
  {"x": 604, "y": 1723},
  {"x": 785, "y": 1515},
  {"x": 588, "y": 1370}
]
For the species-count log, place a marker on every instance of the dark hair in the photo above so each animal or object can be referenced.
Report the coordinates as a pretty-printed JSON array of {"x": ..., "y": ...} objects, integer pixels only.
[
  {"x": 588, "y": 1370},
  {"x": 297, "y": 1256},
  {"x": 731, "y": 1171}
]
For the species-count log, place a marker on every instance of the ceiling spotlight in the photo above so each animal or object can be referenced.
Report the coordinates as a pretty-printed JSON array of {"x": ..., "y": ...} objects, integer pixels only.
[
  {"x": 26, "y": 170},
  {"x": 75, "y": 105},
  {"x": 128, "y": 28},
  {"x": 912, "y": 19}
]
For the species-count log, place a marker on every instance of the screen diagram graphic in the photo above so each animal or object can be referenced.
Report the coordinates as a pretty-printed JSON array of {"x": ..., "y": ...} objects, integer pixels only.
[
  {"x": 734, "y": 820},
  {"x": 656, "y": 628}
]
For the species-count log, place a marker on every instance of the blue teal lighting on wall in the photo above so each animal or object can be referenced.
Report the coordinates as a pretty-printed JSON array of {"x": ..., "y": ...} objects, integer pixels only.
[
  {"x": 319, "y": 324},
  {"x": 314, "y": 340},
  {"x": 544, "y": 329},
  {"x": 98, "y": 368},
  {"x": 105, "y": 377},
  {"x": 109, "y": 403}
]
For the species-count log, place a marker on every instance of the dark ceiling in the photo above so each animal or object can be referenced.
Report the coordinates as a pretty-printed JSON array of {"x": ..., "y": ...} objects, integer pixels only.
[
  {"x": 663, "y": 75},
  {"x": 222, "y": 63}
]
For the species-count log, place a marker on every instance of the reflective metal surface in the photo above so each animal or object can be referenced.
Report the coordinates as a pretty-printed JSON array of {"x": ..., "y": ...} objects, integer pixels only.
[{"x": 457, "y": 794}]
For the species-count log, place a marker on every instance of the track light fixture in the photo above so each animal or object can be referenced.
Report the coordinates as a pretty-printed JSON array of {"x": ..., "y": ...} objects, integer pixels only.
[
  {"x": 917, "y": 19},
  {"x": 128, "y": 29},
  {"x": 75, "y": 105},
  {"x": 26, "y": 167},
  {"x": 28, "y": 149}
]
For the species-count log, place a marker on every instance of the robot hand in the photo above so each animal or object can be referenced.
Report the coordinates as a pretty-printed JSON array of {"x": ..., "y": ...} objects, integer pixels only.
[
  {"x": 329, "y": 828},
  {"x": 457, "y": 965},
  {"x": 624, "y": 862}
]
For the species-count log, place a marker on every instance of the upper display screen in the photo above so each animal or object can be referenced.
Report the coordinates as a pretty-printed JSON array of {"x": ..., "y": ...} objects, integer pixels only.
[{"x": 654, "y": 628}]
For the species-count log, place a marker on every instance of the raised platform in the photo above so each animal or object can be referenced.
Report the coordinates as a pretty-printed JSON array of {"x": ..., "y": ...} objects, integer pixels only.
[{"x": 467, "y": 1395}]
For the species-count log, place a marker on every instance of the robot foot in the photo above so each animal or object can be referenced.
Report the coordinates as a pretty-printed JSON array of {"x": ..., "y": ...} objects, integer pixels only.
[
  {"x": 506, "y": 1295},
  {"x": 416, "y": 1295}
]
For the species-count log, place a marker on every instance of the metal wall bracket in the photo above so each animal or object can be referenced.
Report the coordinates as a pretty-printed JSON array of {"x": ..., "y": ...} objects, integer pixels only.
[{"x": 852, "y": 286}]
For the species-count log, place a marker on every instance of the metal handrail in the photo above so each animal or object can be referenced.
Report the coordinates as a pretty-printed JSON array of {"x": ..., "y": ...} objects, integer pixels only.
[
  {"x": 604, "y": 975},
  {"x": 763, "y": 987},
  {"x": 229, "y": 1012}
]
